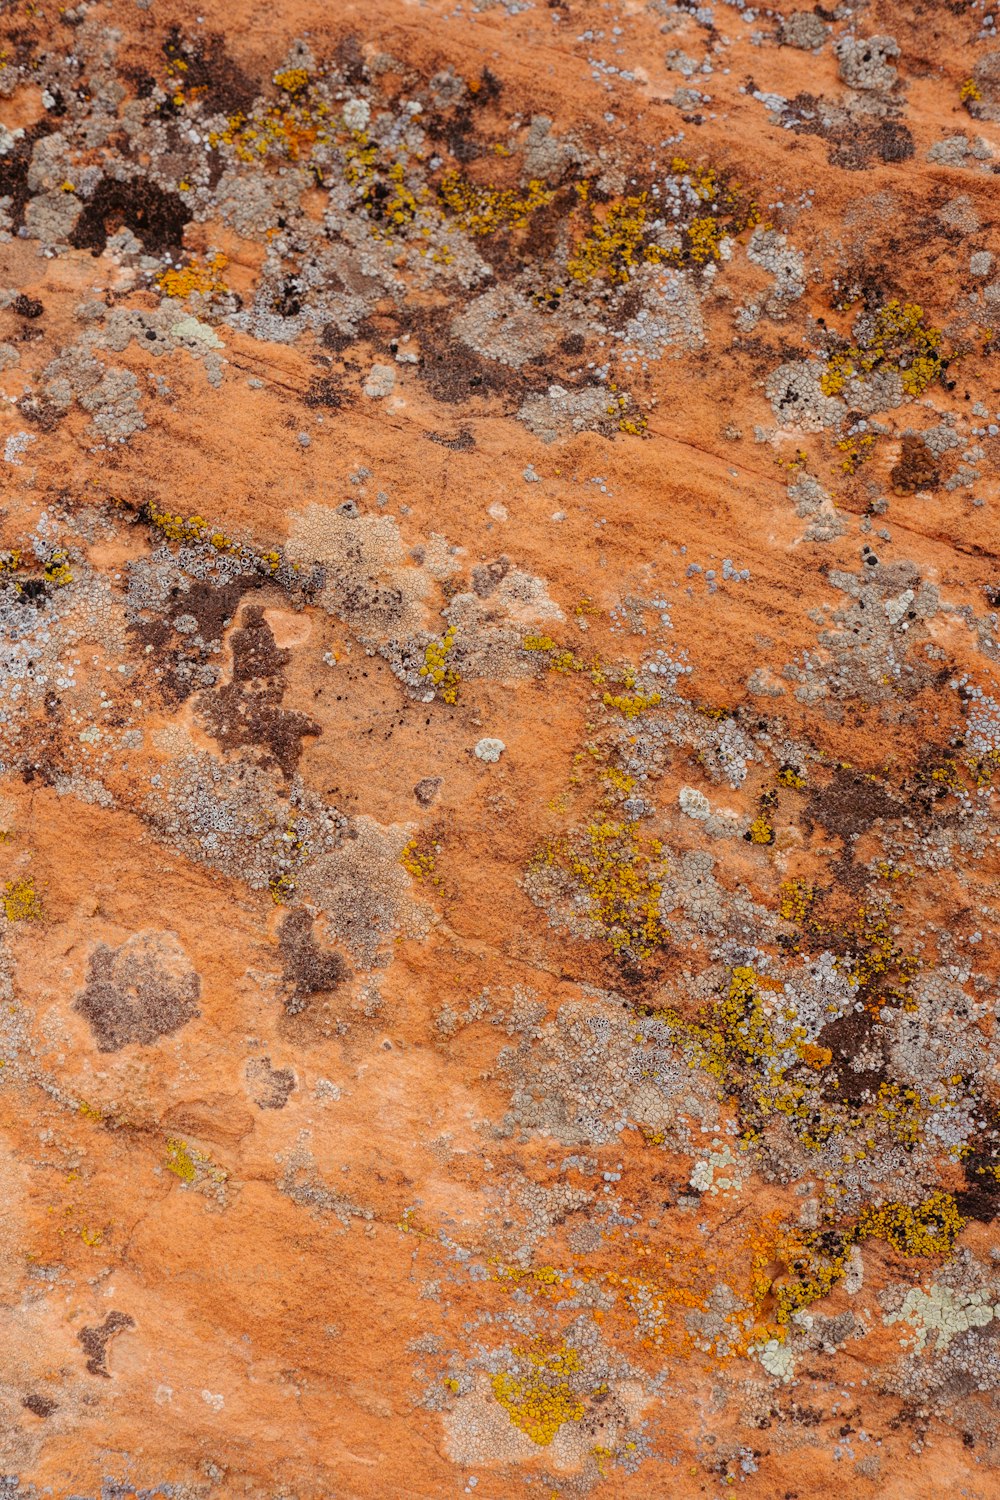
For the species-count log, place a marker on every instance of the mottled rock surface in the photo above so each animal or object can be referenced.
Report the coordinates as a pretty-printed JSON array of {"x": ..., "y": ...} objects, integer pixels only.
[{"x": 499, "y": 725}]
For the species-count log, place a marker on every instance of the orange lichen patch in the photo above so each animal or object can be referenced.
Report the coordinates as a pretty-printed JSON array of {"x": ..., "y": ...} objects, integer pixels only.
[
  {"x": 289, "y": 126},
  {"x": 649, "y": 1288},
  {"x": 202, "y": 276}
]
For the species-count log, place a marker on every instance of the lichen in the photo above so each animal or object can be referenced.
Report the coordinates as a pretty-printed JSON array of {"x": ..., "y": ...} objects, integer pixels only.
[
  {"x": 20, "y": 900},
  {"x": 437, "y": 668},
  {"x": 619, "y": 873},
  {"x": 202, "y": 276},
  {"x": 896, "y": 338},
  {"x": 537, "y": 1394}
]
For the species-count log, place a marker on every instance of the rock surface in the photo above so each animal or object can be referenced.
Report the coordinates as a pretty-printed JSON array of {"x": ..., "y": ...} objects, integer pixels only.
[{"x": 620, "y": 1116}]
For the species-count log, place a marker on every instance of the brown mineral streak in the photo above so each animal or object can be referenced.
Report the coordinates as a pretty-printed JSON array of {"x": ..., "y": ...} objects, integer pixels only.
[{"x": 498, "y": 729}]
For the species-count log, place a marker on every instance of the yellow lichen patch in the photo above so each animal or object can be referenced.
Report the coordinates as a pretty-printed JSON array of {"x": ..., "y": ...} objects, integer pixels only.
[
  {"x": 704, "y": 236},
  {"x": 760, "y": 830},
  {"x": 180, "y": 1160},
  {"x": 545, "y": 1280},
  {"x": 419, "y": 859},
  {"x": 616, "y": 245},
  {"x": 856, "y": 451},
  {"x": 195, "y": 530},
  {"x": 757, "y": 1056},
  {"x": 539, "y": 643},
  {"x": 629, "y": 418},
  {"x": 818, "y": 1261},
  {"x": 294, "y": 849},
  {"x": 621, "y": 237},
  {"x": 479, "y": 210},
  {"x": 984, "y": 769},
  {"x": 560, "y": 659},
  {"x": 930, "y": 1228},
  {"x": 619, "y": 781},
  {"x": 795, "y": 900},
  {"x": 898, "y": 338},
  {"x": 790, "y": 776},
  {"x": 733, "y": 1033},
  {"x": 878, "y": 968},
  {"x": 942, "y": 778},
  {"x": 282, "y": 888},
  {"x": 360, "y": 158},
  {"x": 563, "y": 659},
  {"x": 191, "y": 1165},
  {"x": 439, "y": 670},
  {"x": 632, "y": 704},
  {"x": 380, "y": 184},
  {"x": 20, "y": 901},
  {"x": 402, "y": 205},
  {"x": 177, "y": 528},
  {"x": 537, "y": 1394},
  {"x": 57, "y": 570},
  {"x": 815, "y": 1264},
  {"x": 621, "y": 876},
  {"x": 292, "y": 80},
  {"x": 290, "y": 125},
  {"x": 727, "y": 212},
  {"x": 203, "y": 276},
  {"x": 970, "y": 92},
  {"x": 899, "y": 1109}
]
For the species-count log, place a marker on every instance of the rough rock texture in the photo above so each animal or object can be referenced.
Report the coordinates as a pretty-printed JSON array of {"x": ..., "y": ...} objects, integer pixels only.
[{"x": 499, "y": 724}]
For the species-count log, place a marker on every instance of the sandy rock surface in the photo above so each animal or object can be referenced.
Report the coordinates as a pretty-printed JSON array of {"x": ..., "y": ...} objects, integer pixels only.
[{"x": 499, "y": 731}]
